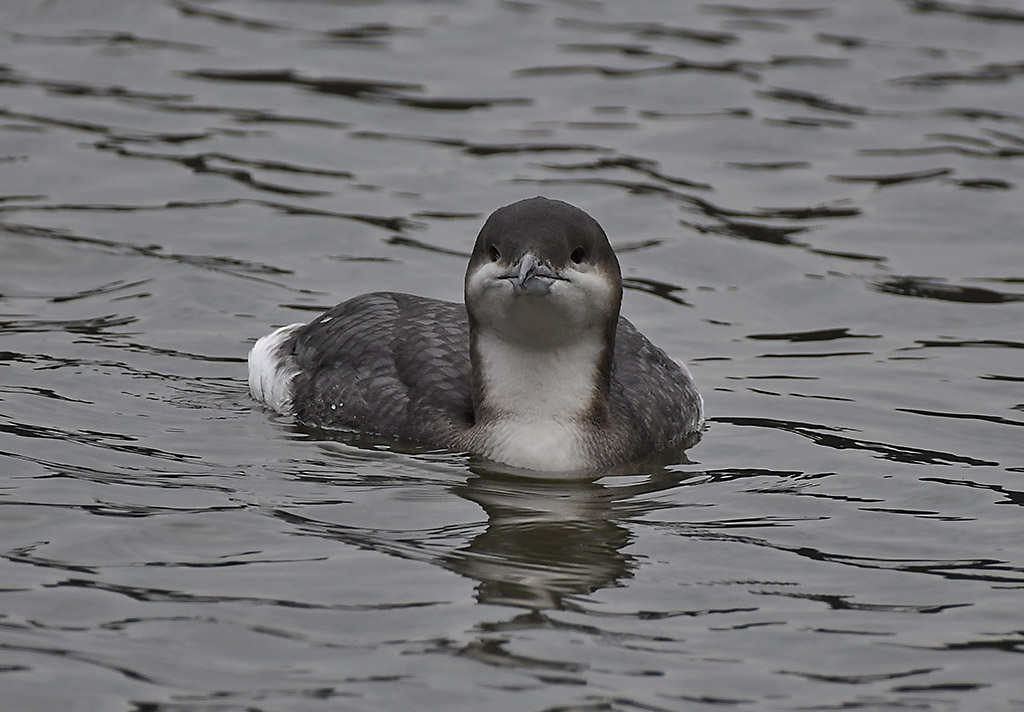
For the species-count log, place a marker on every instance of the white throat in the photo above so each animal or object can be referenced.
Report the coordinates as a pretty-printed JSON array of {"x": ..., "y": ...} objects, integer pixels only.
[
  {"x": 539, "y": 382},
  {"x": 535, "y": 401}
]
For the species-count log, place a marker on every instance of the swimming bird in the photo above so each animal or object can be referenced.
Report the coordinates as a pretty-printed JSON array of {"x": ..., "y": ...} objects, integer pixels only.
[{"x": 537, "y": 370}]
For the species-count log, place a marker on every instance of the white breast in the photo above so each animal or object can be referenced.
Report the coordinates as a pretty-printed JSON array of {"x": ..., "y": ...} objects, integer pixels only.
[
  {"x": 534, "y": 445},
  {"x": 536, "y": 400}
]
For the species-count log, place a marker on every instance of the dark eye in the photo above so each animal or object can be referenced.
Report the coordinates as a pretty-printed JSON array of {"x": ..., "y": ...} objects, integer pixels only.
[
  {"x": 578, "y": 255},
  {"x": 495, "y": 255}
]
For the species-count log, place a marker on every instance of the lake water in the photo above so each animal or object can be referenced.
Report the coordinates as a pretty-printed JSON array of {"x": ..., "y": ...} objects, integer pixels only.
[{"x": 818, "y": 205}]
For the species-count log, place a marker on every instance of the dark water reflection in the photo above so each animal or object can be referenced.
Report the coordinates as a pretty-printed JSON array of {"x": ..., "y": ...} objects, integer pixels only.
[
  {"x": 544, "y": 541},
  {"x": 816, "y": 206}
]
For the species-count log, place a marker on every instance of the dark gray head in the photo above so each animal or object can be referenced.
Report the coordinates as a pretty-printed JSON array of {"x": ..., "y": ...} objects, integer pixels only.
[
  {"x": 559, "y": 233},
  {"x": 542, "y": 272},
  {"x": 543, "y": 291}
]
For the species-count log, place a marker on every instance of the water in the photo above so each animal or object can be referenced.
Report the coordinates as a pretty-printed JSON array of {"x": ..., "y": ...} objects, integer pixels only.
[{"x": 817, "y": 205}]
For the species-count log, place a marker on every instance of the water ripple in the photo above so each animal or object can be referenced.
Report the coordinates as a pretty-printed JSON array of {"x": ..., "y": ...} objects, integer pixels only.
[
  {"x": 179, "y": 175},
  {"x": 829, "y": 437},
  {"x": 934, "y": 288},
  {"x": 354, "y": 88},
  {"x": 974, "y": 12},
  {"x": 645, "y": 30}
]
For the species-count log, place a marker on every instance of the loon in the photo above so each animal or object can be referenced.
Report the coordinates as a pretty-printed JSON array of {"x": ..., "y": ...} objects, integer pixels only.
[{"x": 537, "y": 370}]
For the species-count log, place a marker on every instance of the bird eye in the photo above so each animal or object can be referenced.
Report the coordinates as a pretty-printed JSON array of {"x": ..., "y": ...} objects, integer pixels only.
[
  {"x": 578, "y": 255},
  {"x": 495, "y": 255}
]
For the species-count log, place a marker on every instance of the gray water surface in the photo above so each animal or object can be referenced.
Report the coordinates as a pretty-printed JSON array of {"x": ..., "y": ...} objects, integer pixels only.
[{"x": 817, "y": 205}]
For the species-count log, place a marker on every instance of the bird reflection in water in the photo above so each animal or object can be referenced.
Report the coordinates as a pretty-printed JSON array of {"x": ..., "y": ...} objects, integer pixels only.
[
  {"x": 544, "y": 540},
  {"x": 550, "y": 539}
]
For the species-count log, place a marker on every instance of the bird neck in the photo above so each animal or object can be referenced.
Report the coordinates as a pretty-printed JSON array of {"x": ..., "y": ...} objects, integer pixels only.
[{"x": 567, "y": 382}]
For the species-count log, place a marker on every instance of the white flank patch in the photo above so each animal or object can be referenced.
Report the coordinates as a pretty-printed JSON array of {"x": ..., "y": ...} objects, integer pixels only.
[{"x": 271, "y": 372}]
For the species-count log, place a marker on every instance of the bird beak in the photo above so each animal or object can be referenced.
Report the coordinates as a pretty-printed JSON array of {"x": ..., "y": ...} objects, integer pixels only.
[{"x": 531, "y": 276}]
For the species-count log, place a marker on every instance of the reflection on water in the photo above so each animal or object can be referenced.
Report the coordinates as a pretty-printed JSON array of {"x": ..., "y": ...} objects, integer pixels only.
[{"x": 544, "y": 541}]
